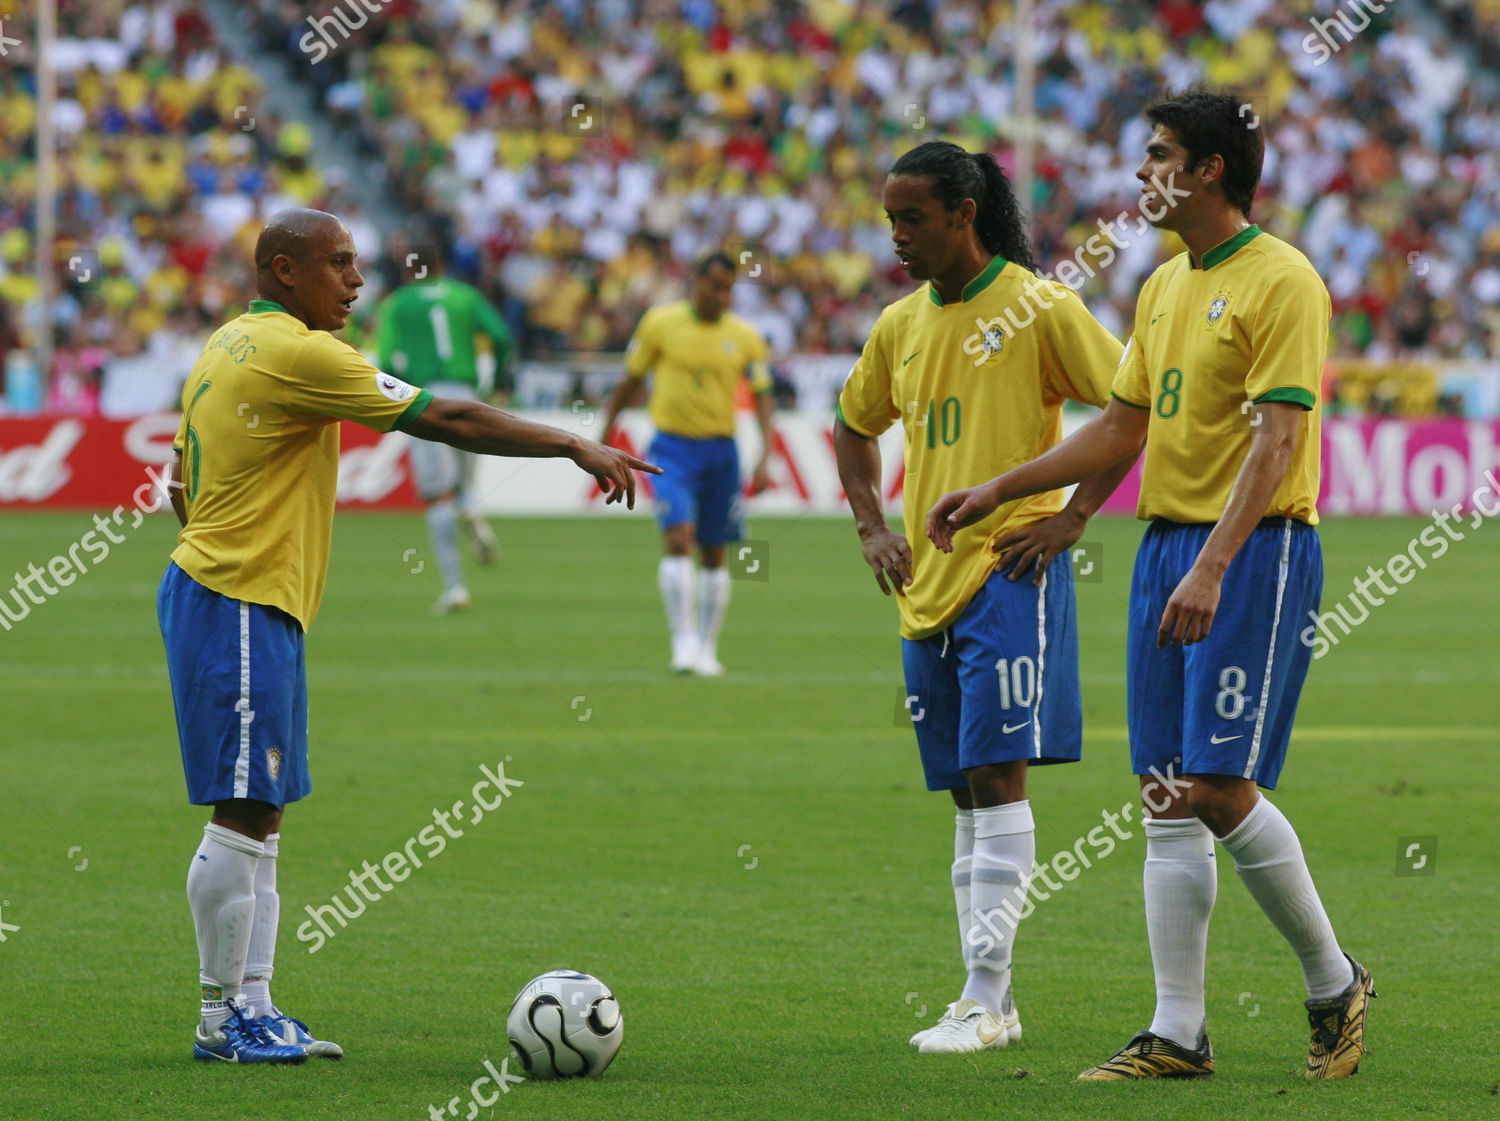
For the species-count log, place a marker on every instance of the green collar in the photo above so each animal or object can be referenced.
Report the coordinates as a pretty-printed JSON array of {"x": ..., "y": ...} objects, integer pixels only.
[
  {"x": 975, "y": 286},
  {"x": 259, "y": 307},
  {"x": 1222, "y": 252}
]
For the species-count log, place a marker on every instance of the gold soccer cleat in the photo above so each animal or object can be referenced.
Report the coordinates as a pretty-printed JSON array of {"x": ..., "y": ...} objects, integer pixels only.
[
  {"x": 1151, "y": 1056},
  {"x": 1338, "y": 1028}
]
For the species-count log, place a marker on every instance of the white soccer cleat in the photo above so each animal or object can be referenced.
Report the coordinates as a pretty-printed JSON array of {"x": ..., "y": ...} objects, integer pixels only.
[
  {"x": 916, "y": 1040},
  {"x": 708, "y": 666},
  {"x": 970, "y": 1026},
  {"x": 685, "y": 653},
  {"x": 452, "y": 599}
]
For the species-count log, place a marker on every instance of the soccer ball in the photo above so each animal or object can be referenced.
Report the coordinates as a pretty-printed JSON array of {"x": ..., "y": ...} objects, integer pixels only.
[{"x": 565, "y": 1024}]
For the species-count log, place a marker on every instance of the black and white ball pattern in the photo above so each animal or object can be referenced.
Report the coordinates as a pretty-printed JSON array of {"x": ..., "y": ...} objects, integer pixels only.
[{"x": 565, "y": 1024}]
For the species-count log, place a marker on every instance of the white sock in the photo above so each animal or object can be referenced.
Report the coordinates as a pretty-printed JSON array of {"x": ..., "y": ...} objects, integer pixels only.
[
  {"x": 713, "y": 601},
  {"x": 963, "y": 862},
  {"x": 442, "y": 525},
  {"x": 1181, "y": 880},
  {"x": 260, "y": 961},
  {"x": 1269, "y": 859},
  {"x": 221, "y": 895},
  {"x": 674, "y": 576},
  {"x": 1004, "y": 855}
]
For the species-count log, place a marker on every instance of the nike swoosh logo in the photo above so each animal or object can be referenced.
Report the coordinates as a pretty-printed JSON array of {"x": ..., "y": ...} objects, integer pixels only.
[
  {"x": 989, "y": 1038},
  {"x": 914, "y": 354},
  {"x": 1154, "y": 318},
  {"x": 1223, "y": 739},
  {"x": 1007, "y": 729}
]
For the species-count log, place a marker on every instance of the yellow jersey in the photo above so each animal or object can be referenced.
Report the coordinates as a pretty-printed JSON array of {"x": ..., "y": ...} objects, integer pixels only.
[
  {"x": 1248, "y": 325},
  {"x": 259, "y": 440},
  {"x": 979, "y": 386},
  {"x": 695, "y": 368}
]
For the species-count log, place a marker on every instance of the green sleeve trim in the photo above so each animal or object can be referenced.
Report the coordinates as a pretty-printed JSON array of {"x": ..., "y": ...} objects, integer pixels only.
[
  {"x": 414, "y": 410},
  {"x": 838, "y": 411},
  {"x": 1132, "y": 404},
  {"x": 758, "y": 374},
  {"x": 1292, "y": 395}
]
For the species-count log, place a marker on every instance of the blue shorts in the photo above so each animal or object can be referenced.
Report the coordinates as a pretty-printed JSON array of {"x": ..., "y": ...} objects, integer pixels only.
[
  {"x": 1223, "y": 706},
  {"x": 239, "y": 684},
  {"x": 699, "y": 484},
  {"x": 1001, "y": 683}
]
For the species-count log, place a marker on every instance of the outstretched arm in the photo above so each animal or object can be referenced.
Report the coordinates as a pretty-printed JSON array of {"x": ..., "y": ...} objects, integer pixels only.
[
  {"x": 1107, "y": 443},
  {"x": 886, "y": 552},
  {"x": 475, "y": 427}
]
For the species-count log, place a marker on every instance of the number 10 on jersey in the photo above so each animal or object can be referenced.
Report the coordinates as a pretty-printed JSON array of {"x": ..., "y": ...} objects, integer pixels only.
[{"x": 943, "y": 421}]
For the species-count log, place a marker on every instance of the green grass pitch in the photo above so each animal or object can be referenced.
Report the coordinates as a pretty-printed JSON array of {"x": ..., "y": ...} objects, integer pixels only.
[{"x": 751, "y": 862}]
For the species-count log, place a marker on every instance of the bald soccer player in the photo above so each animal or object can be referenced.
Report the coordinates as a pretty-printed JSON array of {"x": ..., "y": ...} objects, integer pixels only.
[{"x": 256, "y": 505}]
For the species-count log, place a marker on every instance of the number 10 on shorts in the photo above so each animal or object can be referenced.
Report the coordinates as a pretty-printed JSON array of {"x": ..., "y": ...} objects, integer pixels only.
[{"x": 1017, "y": 681}]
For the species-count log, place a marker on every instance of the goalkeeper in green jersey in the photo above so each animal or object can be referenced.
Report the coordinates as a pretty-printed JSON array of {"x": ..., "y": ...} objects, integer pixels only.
[{"x": 426, "y": 336}]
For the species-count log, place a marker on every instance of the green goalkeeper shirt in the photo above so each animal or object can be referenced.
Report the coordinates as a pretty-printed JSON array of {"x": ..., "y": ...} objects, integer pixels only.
[{"x": 427, "y": 332}]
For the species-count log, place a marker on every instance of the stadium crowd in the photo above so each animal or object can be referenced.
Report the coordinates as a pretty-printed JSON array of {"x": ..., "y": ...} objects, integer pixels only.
[{"x": 571, "y": 157}]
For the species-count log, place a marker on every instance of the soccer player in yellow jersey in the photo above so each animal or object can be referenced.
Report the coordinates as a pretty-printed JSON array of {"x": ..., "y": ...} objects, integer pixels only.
[
  {"x": 696, "y": 351},
  {"x": 252, "y": 482},
  {"x": 1220, "y": 383},
  {"x": 976, "y": 364}
]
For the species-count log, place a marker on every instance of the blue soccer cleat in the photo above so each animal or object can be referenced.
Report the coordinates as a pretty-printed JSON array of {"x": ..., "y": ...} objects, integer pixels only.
[
  {"x": 291, "y": 1031},
  {"x": 243, "y": 1040}
]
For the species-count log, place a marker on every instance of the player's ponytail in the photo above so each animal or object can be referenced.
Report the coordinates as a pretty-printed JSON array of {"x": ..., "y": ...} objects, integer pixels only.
[
  {"x": 999, "y": 223},
  {"x": 957, "y": 175}
]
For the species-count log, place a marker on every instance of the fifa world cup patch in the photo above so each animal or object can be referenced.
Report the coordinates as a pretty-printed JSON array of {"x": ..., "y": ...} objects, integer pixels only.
[
  {"x": 273, "y": 762},
  {"x": 394, "y": 387},
  {"x": 1217, "y": 308}
]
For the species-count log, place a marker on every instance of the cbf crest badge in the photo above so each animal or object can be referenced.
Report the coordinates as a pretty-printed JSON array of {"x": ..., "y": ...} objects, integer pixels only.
[
  {"x": 1217, "y": 308},
  {"x": 273, "y": 762},
  {"x": 993, "y": 339}
]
